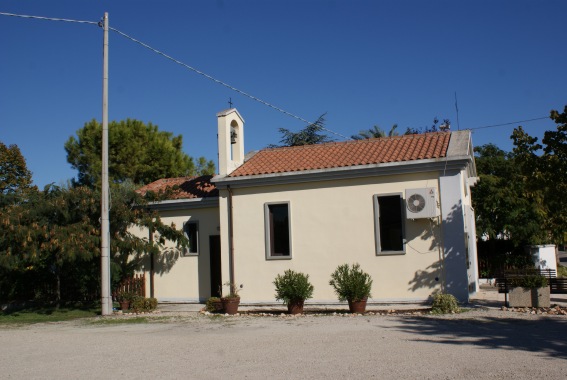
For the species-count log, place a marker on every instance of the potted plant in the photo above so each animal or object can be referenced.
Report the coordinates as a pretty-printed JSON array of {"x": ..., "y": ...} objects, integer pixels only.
[
  {"x": 352, "y": 284},
  {"x": 231, "y": 301},
  {"x": 124, "y": 299},
  {"x": 529, "y": 291},
  {"x": 293, "y": 288}
]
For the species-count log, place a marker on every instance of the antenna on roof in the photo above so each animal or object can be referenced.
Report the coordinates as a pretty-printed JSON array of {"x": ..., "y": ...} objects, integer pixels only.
[{"x": 457, "y": 109}]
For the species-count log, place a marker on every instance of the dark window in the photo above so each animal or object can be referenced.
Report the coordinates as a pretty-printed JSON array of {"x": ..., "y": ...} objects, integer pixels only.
[
  {"x": 192, "y": 233},
  {"x": 390, "y": 224},
  {"x": 278, "y": 230}
]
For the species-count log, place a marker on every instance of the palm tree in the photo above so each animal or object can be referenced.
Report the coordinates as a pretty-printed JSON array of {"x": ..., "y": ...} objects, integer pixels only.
[{"x": 375, "y": 132}]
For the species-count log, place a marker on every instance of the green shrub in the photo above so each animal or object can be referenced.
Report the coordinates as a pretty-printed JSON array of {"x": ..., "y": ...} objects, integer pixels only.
[
  {"x": 213, "y": 305},
  {"x": 351, "y": 283},
  {"x": 530, "y": 281},
  {"x": 561, "y": 271},
  {"x": 125, "y": 296},
  {"x": 444, "y": 303},
  {"x": 293, "y": 286},
  {"x": 141, "y": 304}
]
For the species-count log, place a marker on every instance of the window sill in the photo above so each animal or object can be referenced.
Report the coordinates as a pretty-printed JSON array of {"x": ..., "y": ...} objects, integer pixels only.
[
  {"x": 278, "y": 258},
  {"x": 391, "y": 253}
]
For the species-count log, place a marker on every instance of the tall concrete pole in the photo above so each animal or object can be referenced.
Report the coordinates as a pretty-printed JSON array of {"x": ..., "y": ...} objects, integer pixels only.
[{"x": 106, "y": 300}]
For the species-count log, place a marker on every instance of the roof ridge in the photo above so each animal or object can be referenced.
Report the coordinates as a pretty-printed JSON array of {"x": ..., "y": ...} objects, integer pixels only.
[{"x": 353, "y": 141}]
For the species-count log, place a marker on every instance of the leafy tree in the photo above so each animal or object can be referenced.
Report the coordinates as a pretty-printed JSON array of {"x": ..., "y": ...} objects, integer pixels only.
[
  {"x": 491, "y": 195},
  {"x": 555, "y": 165},
  {"x": 205, "y": 167},
  {"x": 530, "y": 211},
  {"x": 508, "y": 201},
  {"x": 521, "y": 194},
  {"x": 375, "y": 132},
  {"x": 307, "y": 136},
  {"x": 53, "y": 241},
  {"x": 14, "y": 174},
  {"x": 427, "y": 129},
  {"x": 507, "y": 218},
  {"x": 137, "y": 152}
]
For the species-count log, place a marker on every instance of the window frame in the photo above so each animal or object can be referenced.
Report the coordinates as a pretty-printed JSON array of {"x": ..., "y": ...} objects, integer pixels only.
[
  {"x": 187, "y": 250},
  {"x": 267, "y": 231},
  {"x": 379, "y": 251}
]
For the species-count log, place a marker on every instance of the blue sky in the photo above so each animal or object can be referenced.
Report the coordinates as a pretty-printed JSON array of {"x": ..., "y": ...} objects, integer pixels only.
[{"x": 362, "y": 62}]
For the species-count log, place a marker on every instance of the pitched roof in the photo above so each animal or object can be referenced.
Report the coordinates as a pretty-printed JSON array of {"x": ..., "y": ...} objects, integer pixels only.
[
  {"x": 347, "y": 153},
  {"x": 183, "y": 187}
]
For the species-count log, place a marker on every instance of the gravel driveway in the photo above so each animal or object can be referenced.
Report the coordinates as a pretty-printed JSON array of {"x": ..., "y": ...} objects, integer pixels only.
[{"x": 477, "y": 344}]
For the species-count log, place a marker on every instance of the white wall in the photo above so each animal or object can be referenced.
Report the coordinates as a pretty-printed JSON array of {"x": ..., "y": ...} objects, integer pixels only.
[
  {"x": 184, "y": 278},
  {"x": 332, "y": 223},
  {"x": 454, "y": 202}
]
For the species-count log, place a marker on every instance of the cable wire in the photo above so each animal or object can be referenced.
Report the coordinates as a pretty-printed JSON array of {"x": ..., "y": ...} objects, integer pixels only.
[
  {"x": 219, "y": 81},
  {"x": 511, "y": 123},
  {"x": 49, "y": 18}
]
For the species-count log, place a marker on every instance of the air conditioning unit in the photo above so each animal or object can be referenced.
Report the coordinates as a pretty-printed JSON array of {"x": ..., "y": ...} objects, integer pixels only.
[{"x": 421, "y": 203}]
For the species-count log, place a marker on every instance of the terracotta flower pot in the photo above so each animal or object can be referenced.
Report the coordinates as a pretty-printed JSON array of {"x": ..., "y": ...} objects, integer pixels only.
[
  {"x": 295, "y": 307},
  {"x": 124, "y": 305},
  {"x": 357, "y": 306},
  {"x": 230, "y": 305}
]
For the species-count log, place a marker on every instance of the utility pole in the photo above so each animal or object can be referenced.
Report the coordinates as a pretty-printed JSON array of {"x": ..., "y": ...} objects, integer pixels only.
[{"x": 106, "y": 300}]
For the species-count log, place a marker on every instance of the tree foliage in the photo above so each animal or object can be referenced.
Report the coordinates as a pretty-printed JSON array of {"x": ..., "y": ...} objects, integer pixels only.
[
  {"x": 504, "y": 206},
  {"x": 555, "y": 165},
  {"x": 520, "y": 195},
  {"x": 375, "y": 132},
  {"x": 138, "y": 152},
  {"x": 53, "y": 240},
  {"x": 307, "y": 136},
  {"x": 427, "y": 129},
  {"x": 492, "y": 196},
  {"x": 14, "y": 174}
]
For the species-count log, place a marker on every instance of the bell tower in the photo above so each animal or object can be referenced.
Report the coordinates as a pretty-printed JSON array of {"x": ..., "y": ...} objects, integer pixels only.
[{"x": 230, "y": 140}]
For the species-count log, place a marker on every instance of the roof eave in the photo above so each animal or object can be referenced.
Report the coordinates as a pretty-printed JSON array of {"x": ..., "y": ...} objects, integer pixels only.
[{"x": 183, "y": 204}]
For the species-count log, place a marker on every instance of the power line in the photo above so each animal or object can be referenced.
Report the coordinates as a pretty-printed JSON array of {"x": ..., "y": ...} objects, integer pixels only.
[
  {"x": 49, "y": 18},
  {"x": 511, "y": 123},
  {"x": 219, "y": 81}
]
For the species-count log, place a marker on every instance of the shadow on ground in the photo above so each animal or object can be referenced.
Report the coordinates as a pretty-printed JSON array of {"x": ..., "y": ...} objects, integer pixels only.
[{"x": 542, "y": 336}]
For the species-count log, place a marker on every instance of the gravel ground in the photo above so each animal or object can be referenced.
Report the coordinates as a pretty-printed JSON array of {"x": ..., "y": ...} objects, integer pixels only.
[{"x": 481, "y": 343}]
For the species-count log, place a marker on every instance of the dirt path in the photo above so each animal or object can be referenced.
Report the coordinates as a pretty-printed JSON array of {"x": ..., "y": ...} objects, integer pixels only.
[{"x": 477, "y": 344}]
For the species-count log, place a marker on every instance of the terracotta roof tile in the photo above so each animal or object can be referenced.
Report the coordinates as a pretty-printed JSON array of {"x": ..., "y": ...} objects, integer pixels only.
[
  {"x": 344, "y": 154},
  {"x": 183, "y": 187}
]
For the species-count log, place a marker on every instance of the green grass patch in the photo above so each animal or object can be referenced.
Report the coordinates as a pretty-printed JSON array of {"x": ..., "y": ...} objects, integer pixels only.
[
  {"x": 121, "y": 321},
  {"x": 46, "y": 314},
  {"x": 131, "y": 320},
  {"x": 561, "y": 271}
]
